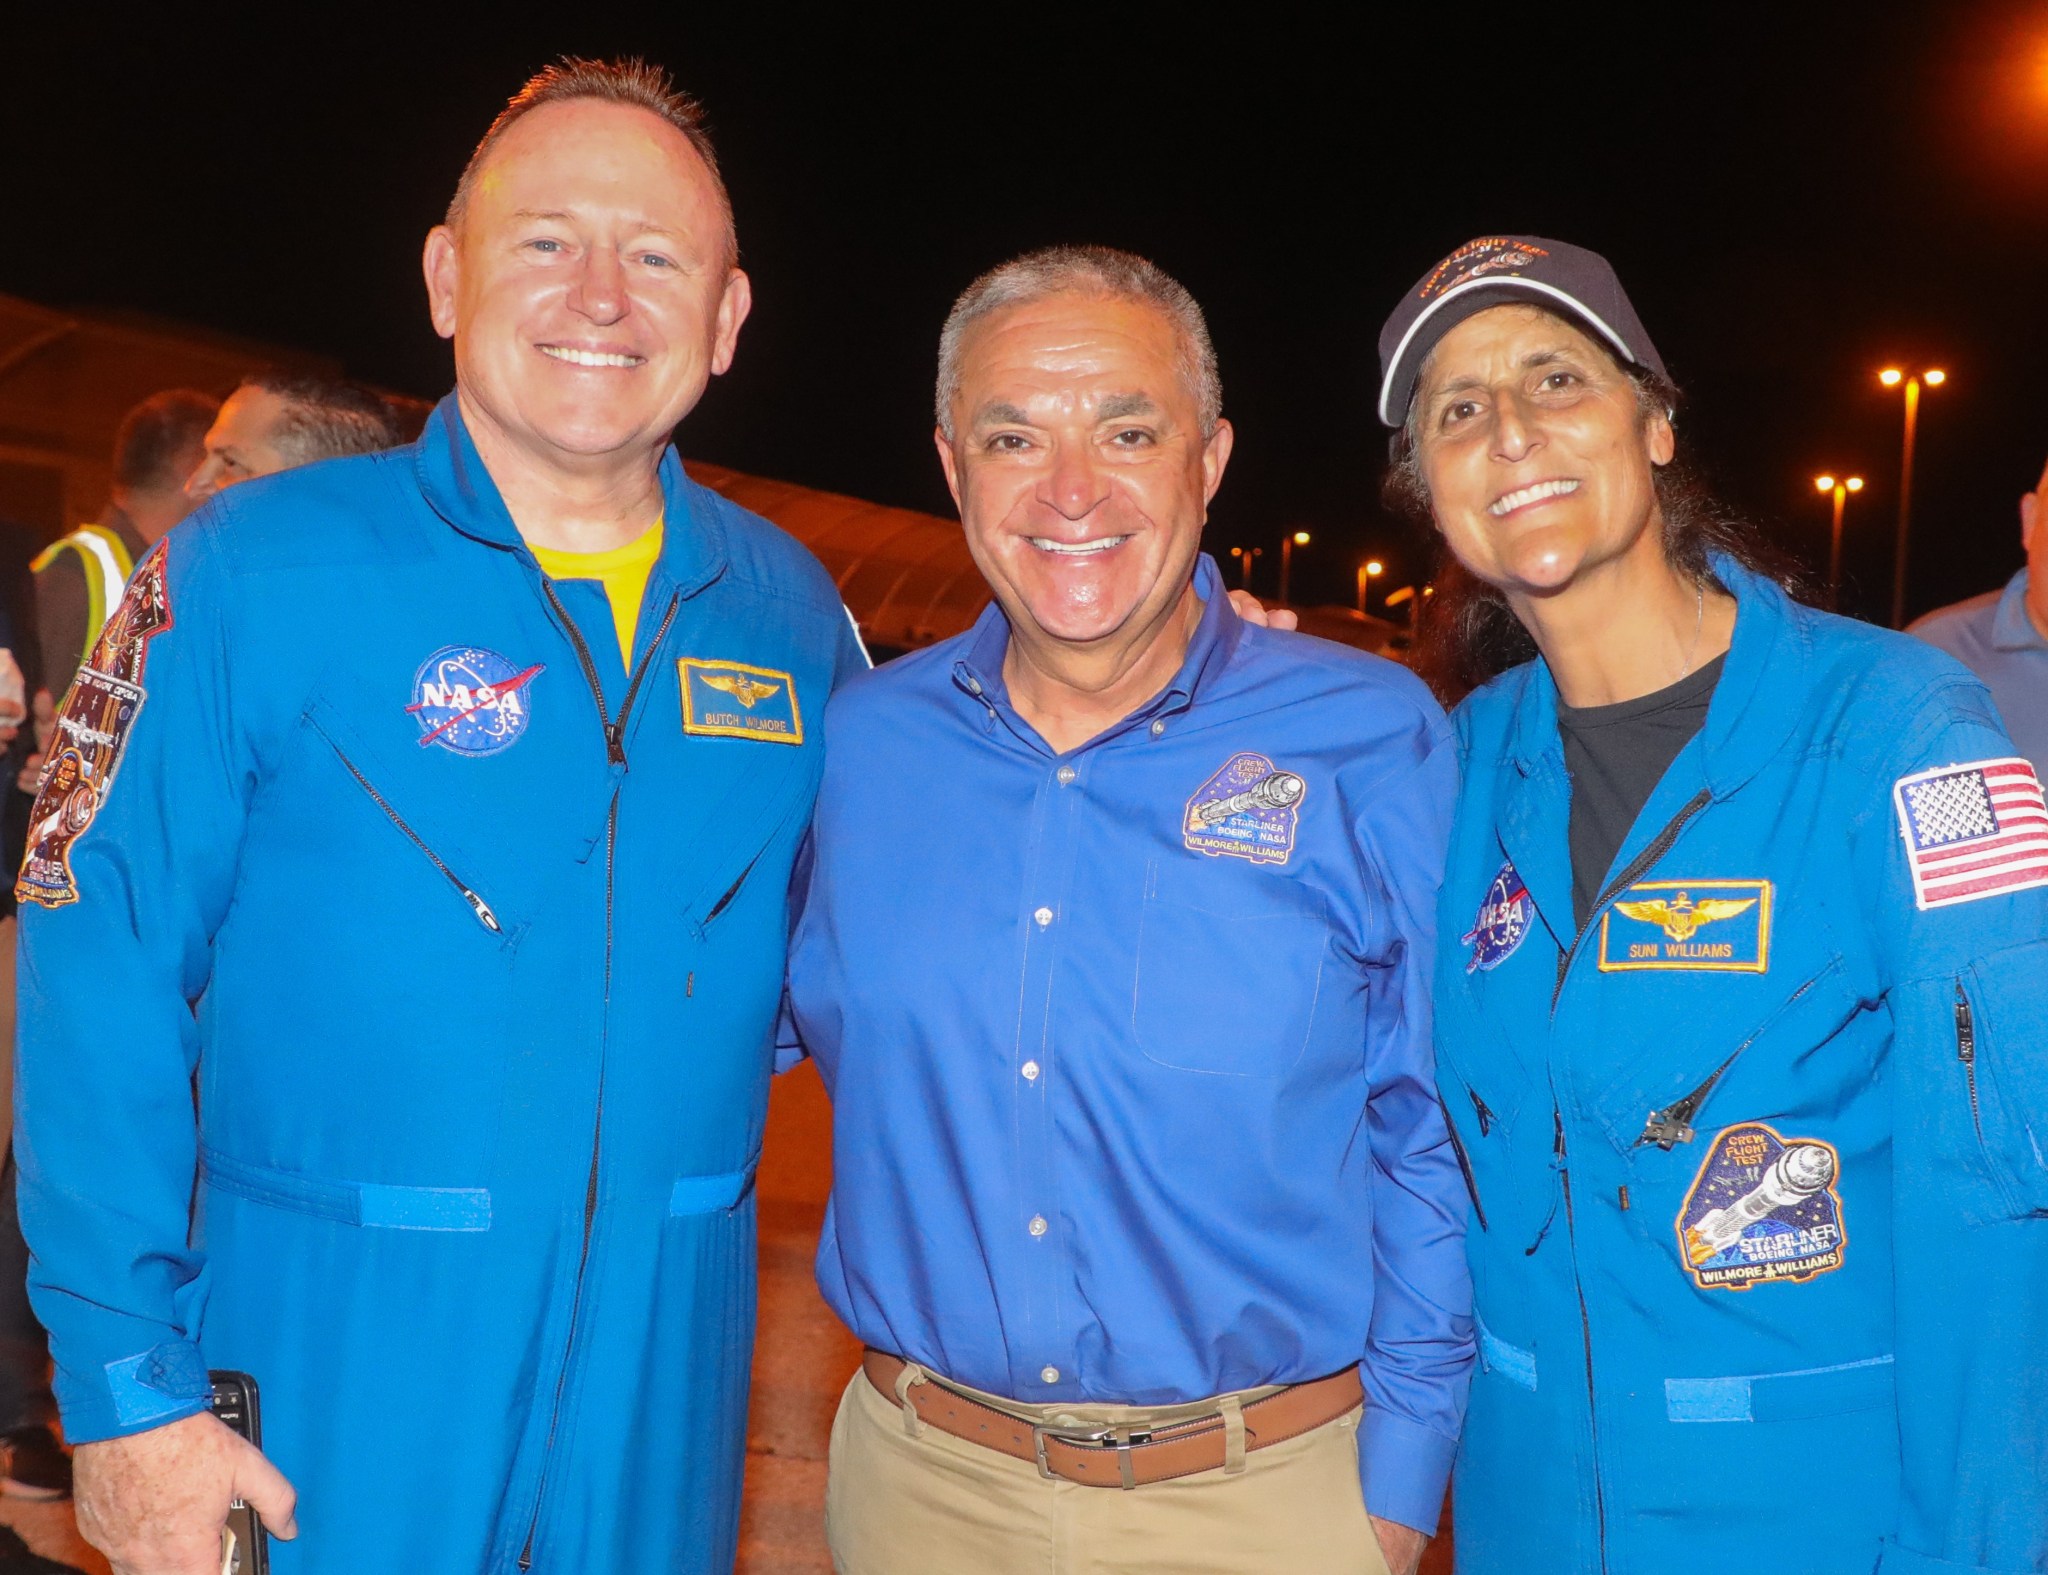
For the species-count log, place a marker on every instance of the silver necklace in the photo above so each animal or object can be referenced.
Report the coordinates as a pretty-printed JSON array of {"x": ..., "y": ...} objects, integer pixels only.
[{"x": 1699, "y": 619}]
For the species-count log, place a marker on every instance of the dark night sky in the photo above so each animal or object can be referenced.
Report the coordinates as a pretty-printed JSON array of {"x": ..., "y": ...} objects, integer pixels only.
[{"x": 1793, "y": 194}]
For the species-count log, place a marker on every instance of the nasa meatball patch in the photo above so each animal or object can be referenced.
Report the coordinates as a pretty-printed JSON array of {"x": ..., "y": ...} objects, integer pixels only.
[
  {"x": 1763, "y": 1207},
  {"x": 1505, "y": 915},
  {"x": 1250, "y": 809},
  {"x": 471, "y": 701}
]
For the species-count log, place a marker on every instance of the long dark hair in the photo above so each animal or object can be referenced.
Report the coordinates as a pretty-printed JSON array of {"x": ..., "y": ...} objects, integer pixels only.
[{"x": 1469, "y": 635}]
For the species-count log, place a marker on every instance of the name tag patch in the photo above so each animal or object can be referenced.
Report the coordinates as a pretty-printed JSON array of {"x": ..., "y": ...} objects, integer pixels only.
[
  {"x": 1249, "y": 809},
  {"x": 1763, "y": 1207},
  {"x": 1706, "y": 926},
  {"x": 734, "y": 700}
]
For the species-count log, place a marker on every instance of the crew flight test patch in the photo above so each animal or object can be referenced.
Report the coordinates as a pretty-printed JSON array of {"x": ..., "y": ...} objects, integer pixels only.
[
  {"x": 1250, "y": 809},
  {"x": 1763, "y": 1207},
  {"x": 736, "y": 700},
  {"x": 1704, "y": 926}
]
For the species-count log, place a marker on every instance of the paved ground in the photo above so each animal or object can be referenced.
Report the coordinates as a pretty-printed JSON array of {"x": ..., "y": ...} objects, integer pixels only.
[{"x": 802, "y": 1360}]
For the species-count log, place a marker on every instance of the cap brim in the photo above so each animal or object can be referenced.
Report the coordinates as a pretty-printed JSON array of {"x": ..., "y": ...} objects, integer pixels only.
[{"x": 1468, "y": 300}]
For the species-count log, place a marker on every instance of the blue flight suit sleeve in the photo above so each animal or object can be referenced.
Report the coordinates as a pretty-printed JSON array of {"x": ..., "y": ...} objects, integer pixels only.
[
  {"x": 851, "y": 659},
  {"x": 1966, "y": 984},
  {"x": 1420, "y": 1344},
  {"x": 105, "y": 1136}
]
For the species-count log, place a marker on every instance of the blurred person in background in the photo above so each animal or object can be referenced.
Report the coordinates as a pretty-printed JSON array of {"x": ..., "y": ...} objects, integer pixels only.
[
  {"x": 79, "y": 577},
  {"x": 2002, "y": 636},
  {"x": 280, "y": 420}
]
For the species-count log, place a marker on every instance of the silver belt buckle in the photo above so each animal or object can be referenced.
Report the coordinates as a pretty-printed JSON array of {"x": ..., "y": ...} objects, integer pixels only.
[
  {"x": 1126, "y": 1475},
  {"x": 1040, "y": 1433}
]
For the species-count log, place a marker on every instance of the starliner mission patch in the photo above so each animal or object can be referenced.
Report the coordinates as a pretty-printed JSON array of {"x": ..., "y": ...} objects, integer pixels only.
[
  {"x": 1763, "y": 1207},
  {"x": 93, "y": 728},
  {"x": 1250, "y": 809}
]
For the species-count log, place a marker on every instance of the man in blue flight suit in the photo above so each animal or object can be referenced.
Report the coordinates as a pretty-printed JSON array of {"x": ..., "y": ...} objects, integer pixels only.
[
  {"x": 1143, "y": 1202},
  {"x": 456, "y": 889}
]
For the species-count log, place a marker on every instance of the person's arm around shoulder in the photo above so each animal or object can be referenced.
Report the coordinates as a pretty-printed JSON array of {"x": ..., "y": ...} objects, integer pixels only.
[
  {"x": 1952, "y": 866},
  {"x": 133, "y": 849},
  {"x": 1420, "y": 1347}
]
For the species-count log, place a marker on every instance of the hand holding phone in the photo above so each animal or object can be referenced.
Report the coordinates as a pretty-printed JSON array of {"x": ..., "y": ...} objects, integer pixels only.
[{"x": 244, "y": 1550}]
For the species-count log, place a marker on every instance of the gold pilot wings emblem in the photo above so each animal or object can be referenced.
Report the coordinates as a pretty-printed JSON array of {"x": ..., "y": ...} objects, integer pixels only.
[
  {"x": 1681, "y": 918},
  {"x": 1711, "y": 926},
  {"x": 738, "y": 700},
  {"x": 743, "y": 687}
]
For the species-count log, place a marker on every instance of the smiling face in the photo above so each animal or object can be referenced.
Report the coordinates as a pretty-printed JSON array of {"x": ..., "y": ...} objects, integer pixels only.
[
  {"x": 1539, "y": 463},
  {"x": 589, "y": 290},
  {"x": 1079, "y": 465}
]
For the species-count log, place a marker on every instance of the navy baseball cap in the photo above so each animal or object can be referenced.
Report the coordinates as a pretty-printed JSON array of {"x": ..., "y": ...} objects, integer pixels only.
[{"x": 1506, "y": 270}]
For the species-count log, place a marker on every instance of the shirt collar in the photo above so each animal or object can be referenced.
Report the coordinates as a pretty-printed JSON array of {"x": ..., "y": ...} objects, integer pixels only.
[
  {"x": 2011, "y": 628},
  {"x": 979, "y": 670},
  {"x": 458, "y": 487}
]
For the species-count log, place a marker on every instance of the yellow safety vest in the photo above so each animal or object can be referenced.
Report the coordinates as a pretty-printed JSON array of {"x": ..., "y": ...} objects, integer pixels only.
[{"x": 104, "y": 558}]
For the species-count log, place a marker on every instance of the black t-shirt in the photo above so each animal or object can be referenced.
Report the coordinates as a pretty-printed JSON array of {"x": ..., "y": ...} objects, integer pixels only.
[{"x": 1616, "y": 755}]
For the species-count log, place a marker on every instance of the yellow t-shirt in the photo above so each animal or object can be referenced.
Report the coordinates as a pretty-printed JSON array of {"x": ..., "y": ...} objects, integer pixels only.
[{"x": 622, "y": 571}]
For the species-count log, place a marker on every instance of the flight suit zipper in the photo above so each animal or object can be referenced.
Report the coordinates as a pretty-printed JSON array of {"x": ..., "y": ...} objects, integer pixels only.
[
  {"x": 1464, "y": 1159},
  {"x": 477, "y": 906},
  {"x": 615, "y": 754},
  {"x": 1673, "y": 1124},
  {"x": 1634, "y": 871},
  {"x": 1966, "y": 1052},
  {"x": 1586, "y": 1333}
]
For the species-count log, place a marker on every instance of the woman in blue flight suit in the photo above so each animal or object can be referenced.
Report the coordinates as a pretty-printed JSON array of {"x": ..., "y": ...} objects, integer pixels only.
[{"x": 1742, "y": 1001}]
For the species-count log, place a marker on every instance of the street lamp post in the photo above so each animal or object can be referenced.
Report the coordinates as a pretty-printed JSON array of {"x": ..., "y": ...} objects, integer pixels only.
[
  {"x": 1891, "y": 377},
  {"x": 1367, "y": 572},
  {"x": 1244, "y": 556},
  {"x": 1287, "y": 546},
  {"x": 1841, "y": 489}
]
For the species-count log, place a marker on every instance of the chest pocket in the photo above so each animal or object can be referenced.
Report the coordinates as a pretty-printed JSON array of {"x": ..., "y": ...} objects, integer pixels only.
[{"x": 1229, "y": 970}]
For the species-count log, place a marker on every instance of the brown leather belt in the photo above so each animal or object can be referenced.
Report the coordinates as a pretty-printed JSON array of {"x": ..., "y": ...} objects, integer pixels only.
[{"x": 1119, "y": 1457}]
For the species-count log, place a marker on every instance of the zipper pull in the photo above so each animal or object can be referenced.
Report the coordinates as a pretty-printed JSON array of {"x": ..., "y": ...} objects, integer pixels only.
[
  {"x": 615, "y": 742},
  {"x": 1665, "y": 1128},
  {"x": 1557, "y": 1116},
  {"x": 1479, "y": 1109},
  {"x": 1966, "y": 1028},
  {"x": 482, "y": 910}
]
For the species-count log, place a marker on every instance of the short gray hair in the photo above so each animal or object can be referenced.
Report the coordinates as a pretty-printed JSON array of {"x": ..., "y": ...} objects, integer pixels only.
[
  {"x": 1098, "y": 271},
  {"x": 326, "y": 417}
]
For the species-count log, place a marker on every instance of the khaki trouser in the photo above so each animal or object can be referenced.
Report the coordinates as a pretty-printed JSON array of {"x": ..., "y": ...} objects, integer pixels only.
[{"x": 934, "y": 1504}]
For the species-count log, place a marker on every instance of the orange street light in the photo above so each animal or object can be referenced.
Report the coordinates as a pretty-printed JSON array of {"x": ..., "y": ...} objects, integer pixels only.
[
  {"x": 1891, "y": 377},
  {"x": 1841, "y": 489},
  {"x": 1244, "y": 555},
  {"x": 1287, "y": 546},
  {"x": 1367, "y": 572}
]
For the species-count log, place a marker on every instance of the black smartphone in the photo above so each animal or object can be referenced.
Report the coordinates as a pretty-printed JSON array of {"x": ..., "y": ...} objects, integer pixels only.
[{"x": 243, "y": 1547}]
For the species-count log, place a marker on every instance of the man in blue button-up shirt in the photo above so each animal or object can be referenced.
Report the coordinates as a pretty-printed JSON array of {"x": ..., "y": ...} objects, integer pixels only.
[
  {"x": 2002, "y": 636},
  {"x": 1114, "y": 950}
]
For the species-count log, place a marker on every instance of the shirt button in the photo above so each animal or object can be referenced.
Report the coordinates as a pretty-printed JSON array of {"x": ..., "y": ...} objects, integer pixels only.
[
  {"x": 974, "y": 686},
  {"x": 1030, "y": 1070},
  {"x": 1038, "y": 1226},
  {"x": 1043, "y": 916},
  {"x": 1158, "y": 727},
  {"x": 1065, "y": 774},
  {"x": 1050, "y": 1374}
]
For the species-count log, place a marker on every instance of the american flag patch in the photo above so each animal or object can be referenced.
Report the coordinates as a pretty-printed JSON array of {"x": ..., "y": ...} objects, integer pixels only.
[{"x": 1973, "y": 831}]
